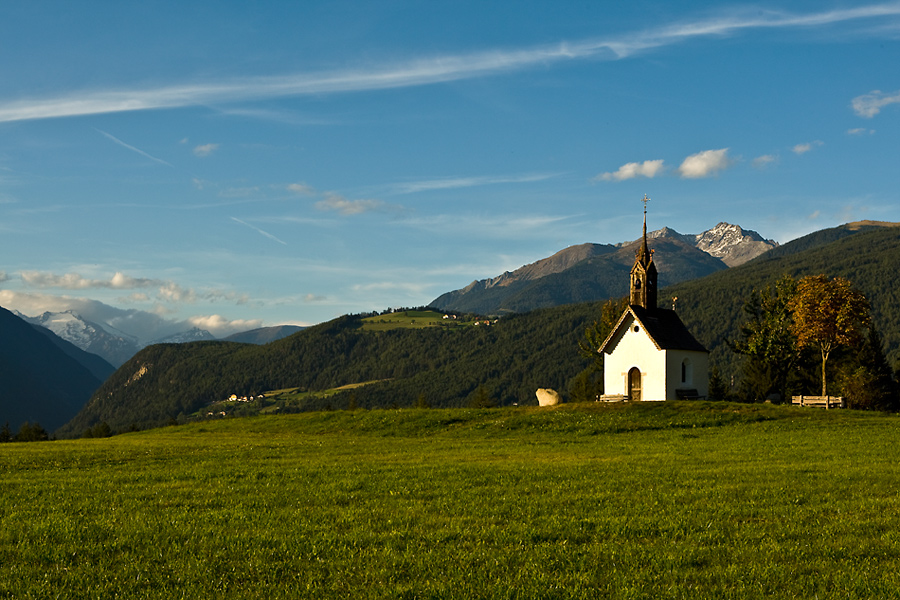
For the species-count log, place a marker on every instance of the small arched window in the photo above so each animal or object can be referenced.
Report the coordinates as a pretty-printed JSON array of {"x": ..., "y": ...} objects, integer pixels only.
[{"x": 687, "y": 372}]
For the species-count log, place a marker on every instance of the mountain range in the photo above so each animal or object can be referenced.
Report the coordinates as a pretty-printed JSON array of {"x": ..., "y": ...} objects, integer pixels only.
[
  {"x": 590, "y": 272},
  {"x": 116, "y": 347},
  {"x": 505, "y": 362},
  {"x": 446, "y": 366}
]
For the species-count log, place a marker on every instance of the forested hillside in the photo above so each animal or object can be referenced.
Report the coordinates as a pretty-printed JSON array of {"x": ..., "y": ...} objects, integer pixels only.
[
  {"x": 869, "y": 257},
  {"x": 503, "y": 363},
  {"x": 43, "y": 379},
  {"x": 510, "y": 359}
]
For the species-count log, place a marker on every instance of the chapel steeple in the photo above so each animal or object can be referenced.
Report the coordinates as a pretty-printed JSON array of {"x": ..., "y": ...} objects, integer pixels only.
[{"x": 643, "y": 273}]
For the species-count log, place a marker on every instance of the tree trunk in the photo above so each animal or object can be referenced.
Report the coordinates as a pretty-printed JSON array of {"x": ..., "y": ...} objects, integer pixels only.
[{"x": 824, "y": 360}]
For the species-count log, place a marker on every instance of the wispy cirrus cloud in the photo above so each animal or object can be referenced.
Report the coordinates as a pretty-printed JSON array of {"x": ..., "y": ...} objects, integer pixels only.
[
  {"x": 505, "y": 226},
  {"x": 648, "y": 168},
  {"x": 869, "y": 105},
  {"x": 427, "y": 71},
  {"x": 132, "y": 148},
  {"x": 344, "y": 206},
  {"x": 260, "y": 231},
  {"x": 446, "y": 183}
]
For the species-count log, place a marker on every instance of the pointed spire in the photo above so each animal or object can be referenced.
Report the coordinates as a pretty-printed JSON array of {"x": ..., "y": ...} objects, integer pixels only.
[
  {"x": 643, "y": 274},
  {"x": 644, "y": 255}
]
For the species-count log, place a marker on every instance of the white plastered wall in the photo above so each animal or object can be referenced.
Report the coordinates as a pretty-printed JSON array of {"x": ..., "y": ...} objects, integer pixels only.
[
  {"x": 698, "y": 372},
  {"x": 635, "y": 349}
]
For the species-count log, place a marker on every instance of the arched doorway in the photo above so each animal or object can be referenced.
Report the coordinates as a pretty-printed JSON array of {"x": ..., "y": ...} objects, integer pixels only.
[{"x": 634, "y": 384}]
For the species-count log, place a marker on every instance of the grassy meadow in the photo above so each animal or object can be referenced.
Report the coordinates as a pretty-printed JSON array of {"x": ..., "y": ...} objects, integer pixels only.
[
  {"x": 410, "y": 319},
  {"x": 674, "y": 500}
]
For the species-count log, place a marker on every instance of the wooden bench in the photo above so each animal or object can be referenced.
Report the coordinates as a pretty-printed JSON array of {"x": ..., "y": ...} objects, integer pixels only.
[
  {"x": 820, "y": 401},
  {"x": 613, "y": 398},
  {"x": 688, "y": 395}
]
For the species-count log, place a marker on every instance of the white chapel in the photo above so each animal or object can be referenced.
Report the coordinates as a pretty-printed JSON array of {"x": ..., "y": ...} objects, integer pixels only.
[{"x": 650, "y": 354}]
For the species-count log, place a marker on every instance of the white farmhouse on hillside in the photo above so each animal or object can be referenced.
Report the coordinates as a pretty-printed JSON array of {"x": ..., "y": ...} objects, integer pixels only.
[{"x": 650, "y": 354}]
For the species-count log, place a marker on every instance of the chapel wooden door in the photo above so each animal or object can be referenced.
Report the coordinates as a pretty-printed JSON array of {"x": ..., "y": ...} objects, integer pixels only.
[{"x": 634, "y": 384}]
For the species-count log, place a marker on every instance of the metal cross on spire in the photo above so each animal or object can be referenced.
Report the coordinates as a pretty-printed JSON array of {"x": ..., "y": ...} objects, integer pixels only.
[{"x": 644, "y": 200}]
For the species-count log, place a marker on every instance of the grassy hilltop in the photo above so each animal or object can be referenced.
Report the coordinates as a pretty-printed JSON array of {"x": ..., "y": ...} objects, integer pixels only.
[{"x": 673, "y": 500}]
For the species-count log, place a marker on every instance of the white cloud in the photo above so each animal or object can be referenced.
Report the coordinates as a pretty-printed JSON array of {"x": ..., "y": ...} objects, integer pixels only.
[
  {"x": 219, "y": 326},
  {"x": 165, "y": 291},
  {"x": 205, "y": 149},
  {"x": 428, "y": 71},
  {"x": 869, "y": 105},
  {"x": 648, "y": 168},
  {"x": 74, "y": 281},
  {"x": 301, "y": 189},
  {"x": 804, "y": 148},
  {"x": 136, "y": 297},
  {"x": 314, "y": 298},
  {"x": 766, "y": 159},
  {"x": 860, "y": 131},
  {"x": 337, "y": 203},
  {"x": 3, "y": 276},
  {"x": 704, "y": 164}
]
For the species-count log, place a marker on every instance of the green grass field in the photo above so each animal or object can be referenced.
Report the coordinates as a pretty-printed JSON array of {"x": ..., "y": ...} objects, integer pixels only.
[
  {"x": 674, "y": 500},
  {"x": 410, "y": 319}
]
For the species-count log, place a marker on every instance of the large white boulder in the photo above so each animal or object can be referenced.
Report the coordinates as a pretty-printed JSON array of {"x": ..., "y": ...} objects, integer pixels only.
[{"x": 547, "y": 397}]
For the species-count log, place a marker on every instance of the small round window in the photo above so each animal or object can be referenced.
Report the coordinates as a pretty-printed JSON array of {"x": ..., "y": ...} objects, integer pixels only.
[{"x": 636, "y": 328}]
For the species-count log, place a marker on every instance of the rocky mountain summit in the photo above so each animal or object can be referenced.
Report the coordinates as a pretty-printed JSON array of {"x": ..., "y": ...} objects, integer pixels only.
[
  {"x": 732, "y": 244},
  {"x": 589, "y": 272},
  {"x": 105, "y": 341}
]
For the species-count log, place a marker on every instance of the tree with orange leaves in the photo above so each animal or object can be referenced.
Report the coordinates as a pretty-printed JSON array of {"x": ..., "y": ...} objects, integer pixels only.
[{"x": 828, "y": 314}]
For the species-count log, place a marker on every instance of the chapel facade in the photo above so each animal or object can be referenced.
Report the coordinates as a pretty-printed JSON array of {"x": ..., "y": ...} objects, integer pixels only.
[{"x": 650, "y": 355}]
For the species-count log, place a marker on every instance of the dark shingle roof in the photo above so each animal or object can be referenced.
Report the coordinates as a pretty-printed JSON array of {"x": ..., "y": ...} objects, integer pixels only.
[{"x": 664, "y": 328}]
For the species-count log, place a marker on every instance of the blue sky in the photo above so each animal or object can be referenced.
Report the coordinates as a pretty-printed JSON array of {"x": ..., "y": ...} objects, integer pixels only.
[{"x": 232, "y": 165}]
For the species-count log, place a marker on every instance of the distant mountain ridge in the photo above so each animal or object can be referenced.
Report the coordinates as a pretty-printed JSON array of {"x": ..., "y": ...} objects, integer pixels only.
[
  {"x": 116, "y": 347},
  {"x": 264, "y": 335},
  {"x": 589, "y": 272},
  {"x": 105, "y": 341},
  {"x": 43, "y": 378}
]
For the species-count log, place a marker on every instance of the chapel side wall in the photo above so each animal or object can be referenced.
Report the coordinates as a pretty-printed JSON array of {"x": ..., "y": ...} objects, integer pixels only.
[{"x": 700, "y": 377}]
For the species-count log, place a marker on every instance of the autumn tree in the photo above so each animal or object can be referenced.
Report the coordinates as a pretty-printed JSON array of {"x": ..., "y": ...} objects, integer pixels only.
[{"x": 828, "y": 314}]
